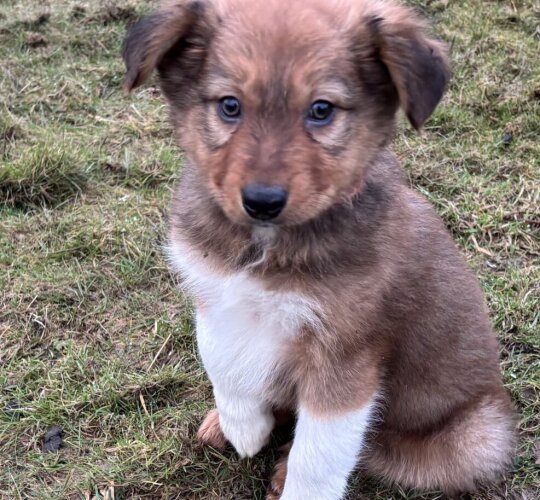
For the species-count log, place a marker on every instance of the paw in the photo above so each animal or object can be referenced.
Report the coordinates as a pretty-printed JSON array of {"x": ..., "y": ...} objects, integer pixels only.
[
  {"x": 272, "y": 496},
  {"x": 248, "y": 436},
  {"x": 280, "y": 474},
  {"x": 210, "y": 433}
]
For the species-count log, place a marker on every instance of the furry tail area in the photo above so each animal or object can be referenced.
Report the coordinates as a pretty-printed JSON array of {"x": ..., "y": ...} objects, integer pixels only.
[{"x": 477, "y": 446}]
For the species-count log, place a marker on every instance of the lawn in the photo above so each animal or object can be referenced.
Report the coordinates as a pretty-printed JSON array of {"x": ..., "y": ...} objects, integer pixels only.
[{"x": 95, "y": 337}]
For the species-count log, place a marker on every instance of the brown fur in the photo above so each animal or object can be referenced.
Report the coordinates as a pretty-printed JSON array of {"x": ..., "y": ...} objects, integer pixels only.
[{"x": 402, "y": 313}]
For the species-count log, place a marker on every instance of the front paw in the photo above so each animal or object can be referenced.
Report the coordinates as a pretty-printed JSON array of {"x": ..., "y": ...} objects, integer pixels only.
[
  {"x": 248, "y": 436},
  {"x": 280, "y": 474},
  {"x": 210, "y": 432}
]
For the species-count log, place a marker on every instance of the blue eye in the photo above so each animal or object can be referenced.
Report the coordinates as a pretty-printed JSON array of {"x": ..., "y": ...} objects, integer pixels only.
[
  {"x": 321, "y": 113},
  {"x": 229, "y": 109}
]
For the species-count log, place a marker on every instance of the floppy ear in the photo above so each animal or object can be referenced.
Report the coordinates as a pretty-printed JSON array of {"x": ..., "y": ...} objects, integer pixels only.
[
  {"x": 417, "y": 64},
  {"x": 153, "y": 37}
]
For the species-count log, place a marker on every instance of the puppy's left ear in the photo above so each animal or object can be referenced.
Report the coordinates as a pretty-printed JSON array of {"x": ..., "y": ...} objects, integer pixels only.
[{"x": 418, "y": 65}]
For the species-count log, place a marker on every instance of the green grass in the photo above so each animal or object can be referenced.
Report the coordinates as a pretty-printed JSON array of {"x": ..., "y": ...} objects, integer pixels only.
[{"x": 94, "y": 335}]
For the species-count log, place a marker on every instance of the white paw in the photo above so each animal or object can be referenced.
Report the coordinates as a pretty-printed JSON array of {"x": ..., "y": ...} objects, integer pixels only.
[{"x": 248, "y": 436}]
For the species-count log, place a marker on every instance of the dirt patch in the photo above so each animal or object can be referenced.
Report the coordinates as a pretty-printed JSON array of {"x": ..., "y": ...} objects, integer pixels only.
[
  {"x": 35, "y": 40},
  {"x": 10, "y": 134},
  {"x": 112, "y": 13},
  {"x": 521, "y": 347},
  {"x": 33, "y": 24},
  {"x": 78, "y": 12},
  {"x": 41, "y": 19}
]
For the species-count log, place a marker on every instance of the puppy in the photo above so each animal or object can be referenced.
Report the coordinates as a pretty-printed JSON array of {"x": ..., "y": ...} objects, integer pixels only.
[{"x": 323, "y": 284}]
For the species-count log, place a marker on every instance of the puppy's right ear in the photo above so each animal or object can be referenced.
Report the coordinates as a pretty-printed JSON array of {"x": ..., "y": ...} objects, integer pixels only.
[{"x": 151, "y": 38}]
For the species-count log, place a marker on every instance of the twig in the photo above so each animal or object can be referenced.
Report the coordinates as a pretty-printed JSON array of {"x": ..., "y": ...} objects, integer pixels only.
[
  {"x": 159, "y": 352},
  {"x": 147, "y": 413},
  {"x": 141, "y": 399},
  {"x": 478, "y": 248}
]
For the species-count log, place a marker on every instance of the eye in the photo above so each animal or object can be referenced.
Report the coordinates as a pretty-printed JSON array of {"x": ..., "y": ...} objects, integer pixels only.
[
  {"x": 321, "y": 113},
  {"x": 229, "y": 109}
]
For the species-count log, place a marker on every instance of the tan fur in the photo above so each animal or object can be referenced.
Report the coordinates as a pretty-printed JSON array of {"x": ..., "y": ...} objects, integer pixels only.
[
  {"x": 277, "y": 483},
  {"x": 210, "y": 433},
  {"x": 400, "y": 313}
]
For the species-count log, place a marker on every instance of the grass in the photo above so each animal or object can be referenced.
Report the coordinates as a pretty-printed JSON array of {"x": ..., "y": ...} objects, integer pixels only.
[{"x": 94, "y": 335}]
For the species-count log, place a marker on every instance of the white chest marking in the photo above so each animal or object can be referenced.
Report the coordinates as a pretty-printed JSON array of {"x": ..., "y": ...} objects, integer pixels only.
[{"x": 242, "y": 328}]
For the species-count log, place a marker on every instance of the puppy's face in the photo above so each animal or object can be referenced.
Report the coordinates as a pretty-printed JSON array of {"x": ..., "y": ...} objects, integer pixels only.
[{"x": 283, "y": 111}]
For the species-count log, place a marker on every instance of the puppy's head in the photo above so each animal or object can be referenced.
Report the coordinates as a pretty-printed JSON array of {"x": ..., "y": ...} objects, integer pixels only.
[{"x": 283, "y": 105}]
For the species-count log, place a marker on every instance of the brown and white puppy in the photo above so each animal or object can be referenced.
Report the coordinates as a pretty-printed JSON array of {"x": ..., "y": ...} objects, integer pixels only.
[{"x": 323, "y": 284}]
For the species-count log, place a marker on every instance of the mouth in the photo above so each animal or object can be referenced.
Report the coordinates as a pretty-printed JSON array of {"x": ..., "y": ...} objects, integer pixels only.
[{"x": 265, "y": 223}]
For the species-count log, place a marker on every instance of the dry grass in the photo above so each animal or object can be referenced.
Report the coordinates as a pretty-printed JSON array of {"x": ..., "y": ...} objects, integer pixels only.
[{"x": 94, "y": 335}]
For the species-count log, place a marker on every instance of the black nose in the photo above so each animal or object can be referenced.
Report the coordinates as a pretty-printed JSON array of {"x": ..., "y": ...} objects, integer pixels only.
[{"x": 263, "y": 202}]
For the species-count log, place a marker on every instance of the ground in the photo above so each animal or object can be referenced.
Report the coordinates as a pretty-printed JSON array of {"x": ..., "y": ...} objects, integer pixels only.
[{"x": 96, "y": 339}]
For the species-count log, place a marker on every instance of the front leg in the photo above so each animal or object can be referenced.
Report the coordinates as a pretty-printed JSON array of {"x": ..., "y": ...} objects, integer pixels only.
[
  {"x": 238, "y": 372},
  {"x": 325, "y": 450},
  {"x": 246, "y": 422}
]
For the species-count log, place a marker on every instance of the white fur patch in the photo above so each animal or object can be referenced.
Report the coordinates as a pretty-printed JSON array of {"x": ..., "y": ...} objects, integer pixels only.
[
  {"x": 242, "y": 330},
  {"x": 324, "y": 453}
]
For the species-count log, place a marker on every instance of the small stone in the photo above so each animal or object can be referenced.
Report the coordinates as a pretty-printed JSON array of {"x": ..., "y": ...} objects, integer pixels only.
[
  {"x": 53, "y": 439},
  {"x": 507, "y": 138}
]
